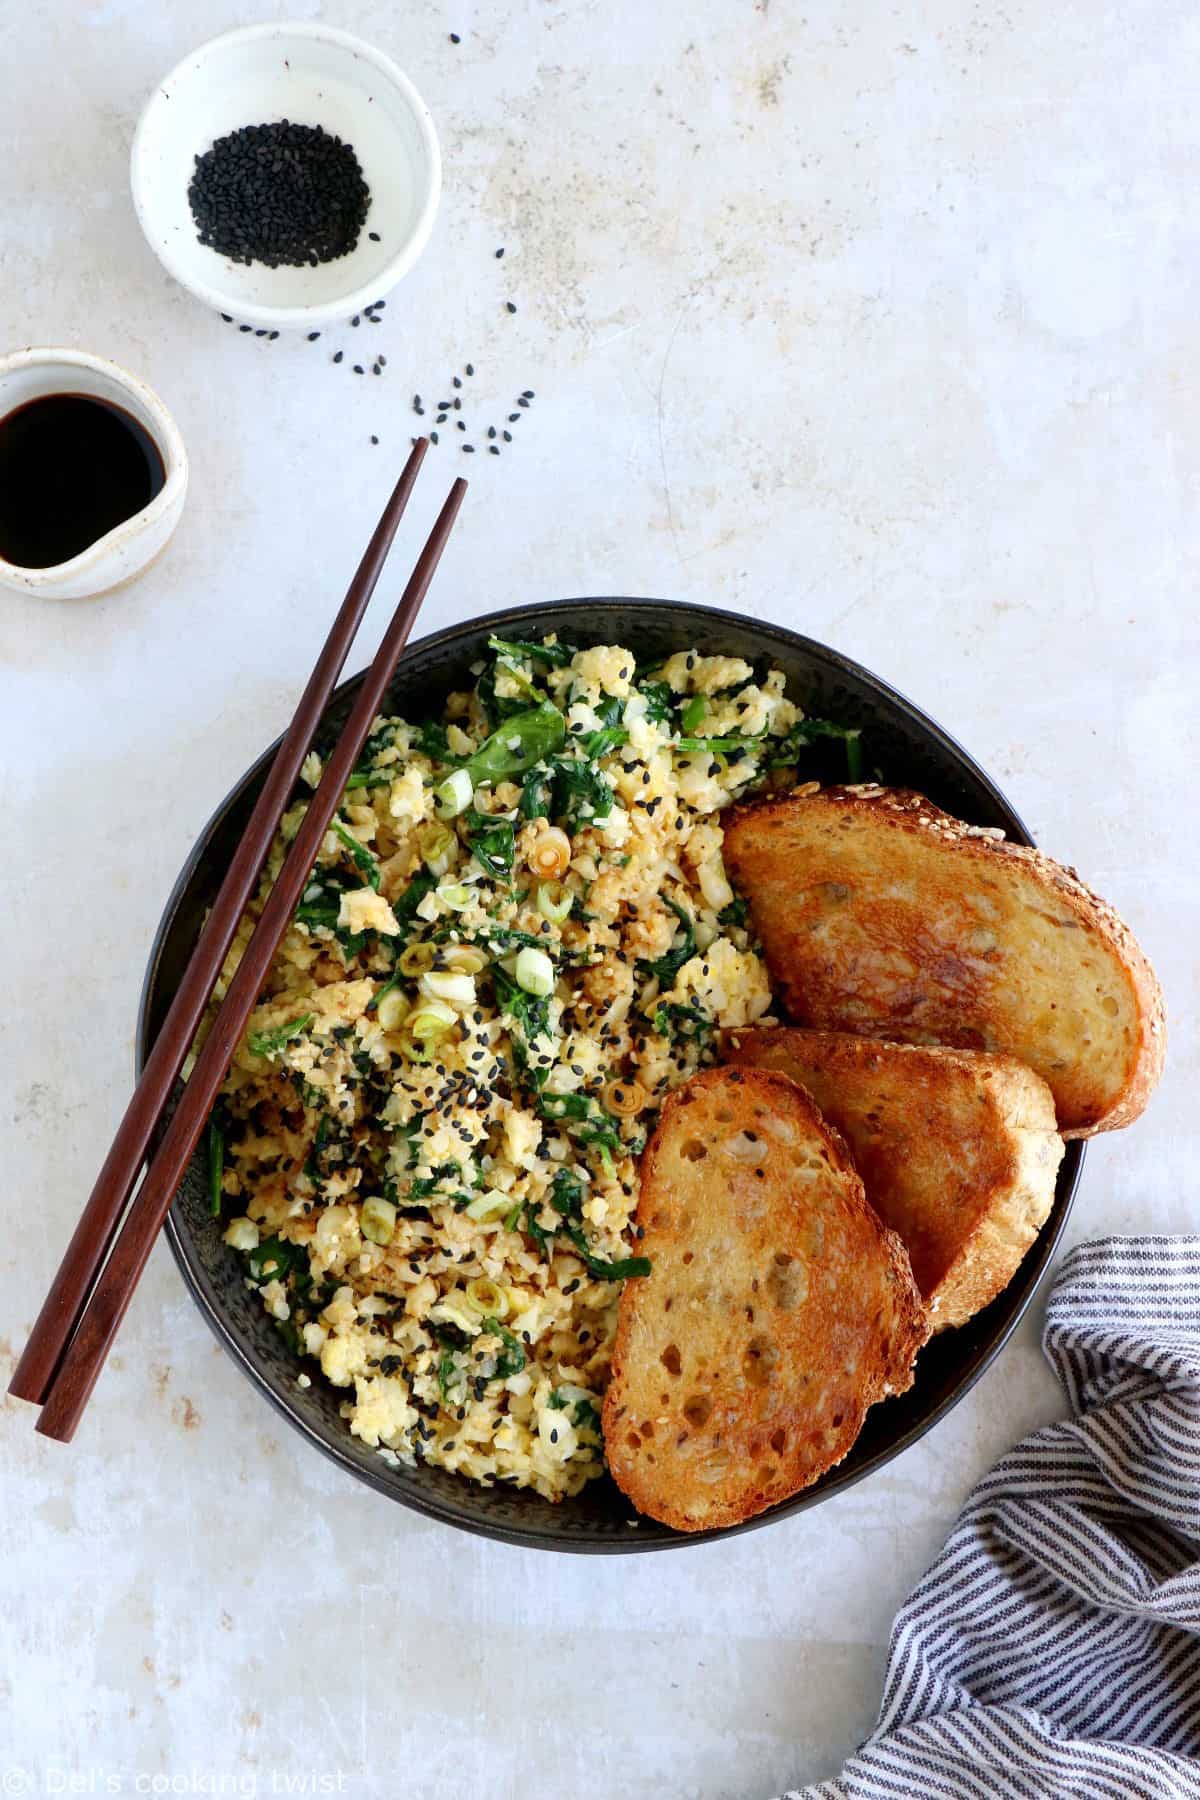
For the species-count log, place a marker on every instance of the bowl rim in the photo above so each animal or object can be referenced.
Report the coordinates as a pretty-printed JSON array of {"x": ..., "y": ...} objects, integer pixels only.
[
  {"x": 1032, "y": 1269},
  {"x": 324, "y": 312}
]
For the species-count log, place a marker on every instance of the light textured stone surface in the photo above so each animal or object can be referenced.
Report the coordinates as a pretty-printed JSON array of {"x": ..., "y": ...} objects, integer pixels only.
[{"x": 876, "y": 321}]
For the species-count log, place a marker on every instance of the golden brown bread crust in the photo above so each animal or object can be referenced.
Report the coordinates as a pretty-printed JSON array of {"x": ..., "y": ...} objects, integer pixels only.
[
  {"x": 883, "y": 916},
  {"x": 778, "y": 1308},
  {"x": 957, "y": 1150}
]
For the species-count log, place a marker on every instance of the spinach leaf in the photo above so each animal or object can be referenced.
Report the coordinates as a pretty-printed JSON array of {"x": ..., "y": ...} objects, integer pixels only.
[
  {"x": 529, "y": 1012},
  {"x": 405, "y": 908},
  {"x": 451, "y": 1376},
  {"x": 492, "y": 842},
  {"x": 724, "y": 745},
  {"x": 566, "y": 1197},
  {"x": 555, "y": 656},
  {"x": 735, "y": 913},
  {"x": 276, "y": 1259},
  {"x": 270, "y": 1043},
  {"x": 364, "y": 861},
  {"x": 512, "y": 1358},
  {"x": 431, "y": 741},
  {"x": 667, "y": 966},
  {"x": 522, "y": 740},
  {"x": 659, "y": 700},
  {"x": 599, "y": 743},
  {"x": 537, "y": 794},
  {"x": 580, "y": 795},
  {"x": 805, "y": 732},
  {"x": 685, "y": 1022}
]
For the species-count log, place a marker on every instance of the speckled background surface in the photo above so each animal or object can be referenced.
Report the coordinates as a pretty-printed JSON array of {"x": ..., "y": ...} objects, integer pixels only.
[{"x": 877, "y": 321}]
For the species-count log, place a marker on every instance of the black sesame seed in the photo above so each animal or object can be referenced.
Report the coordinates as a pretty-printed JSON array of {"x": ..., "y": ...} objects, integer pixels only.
[
  {"x": 374, "y": 440},
  {"x": 358, "y": 369},
  {"x": 382, "y": 361},
  {"x": 493, "y": 450},
  {"x": 510, "y": 306},
  {"x": 461, "y": 423},
  {"x": 245, "y": 328},
  {"x": 271, "y": 336},
  {"x": 433, "y": 437},
  {"x": 338, "y": 355},
  {"x": 500, "y": 253},
  {"x": 507, "y": 436},
  {"x": 468, "y": 449},
  {"x": 457, "y": 382},
  {"x": 376, "y": 370},
  {"x": 513, "y": 418},
  {"x": 441, "y": 419},
  {"x": 227, "y": 318},
  {"x": 470, "y": 369},
  {"x": 523, "y": 402},
  {"x": 491, "y": 431},
  {"x": 527, "y": 394},
  {"x": 454, "y": 38},
  {"x": 313, "y": 336},
  {"x": 374, "y": 236},
  {"x": 456, "y": 403},
  {"x": 279, "y": 194}
]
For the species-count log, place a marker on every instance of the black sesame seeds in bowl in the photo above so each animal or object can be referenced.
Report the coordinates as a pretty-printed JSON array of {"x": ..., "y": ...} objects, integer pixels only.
[{"x": 287, "y": 175}]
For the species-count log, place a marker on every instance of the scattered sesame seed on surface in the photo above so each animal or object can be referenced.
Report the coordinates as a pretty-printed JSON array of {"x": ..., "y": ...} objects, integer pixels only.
[
  {"x": 374, "y": 236},
  {"x": 510, "y": 306}
]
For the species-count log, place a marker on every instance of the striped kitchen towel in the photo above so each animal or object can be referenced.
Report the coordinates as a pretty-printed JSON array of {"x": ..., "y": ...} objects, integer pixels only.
[{"x": 1053, "y": 1649}]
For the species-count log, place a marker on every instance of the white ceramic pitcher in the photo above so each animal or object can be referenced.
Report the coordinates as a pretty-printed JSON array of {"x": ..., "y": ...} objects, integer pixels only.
[{"x": 125, "y": 550}]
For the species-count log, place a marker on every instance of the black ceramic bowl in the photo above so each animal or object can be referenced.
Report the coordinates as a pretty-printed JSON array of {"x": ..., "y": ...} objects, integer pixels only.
[{"x": 908, "y": 749}]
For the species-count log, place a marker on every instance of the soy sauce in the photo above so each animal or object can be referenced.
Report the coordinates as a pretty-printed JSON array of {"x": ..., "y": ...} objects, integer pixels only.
[{"x": 71, "y": 468}]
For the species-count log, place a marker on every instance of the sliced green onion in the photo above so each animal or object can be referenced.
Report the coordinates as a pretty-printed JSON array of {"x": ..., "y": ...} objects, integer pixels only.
[
  {"x": 492, "y": 1205},
  {"x": 451, "y": 985},
  {"x": 454, "y": 795},
  {"x": 454, "y": 894},
  {"x": 377, "y": 1221},
  {"x": 554, "y": 901},
  {"x": 416, "y": 959},
  {"x": 392, "y": 1009},
  {"x": 432, "y": 1019},
  {"x": 487, "y": 1298},
  {"x": 534, "y": 972},
  {"x": 693, "y": 712},
  {"x": 437, "y": 844}
]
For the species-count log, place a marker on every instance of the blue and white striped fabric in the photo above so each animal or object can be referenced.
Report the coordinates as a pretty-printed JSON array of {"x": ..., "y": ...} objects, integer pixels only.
[{"x": 1053, "y": 1649}]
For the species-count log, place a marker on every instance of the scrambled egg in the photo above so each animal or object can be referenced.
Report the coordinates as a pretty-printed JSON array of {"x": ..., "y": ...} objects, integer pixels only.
[{"x": 518, "y": 938}]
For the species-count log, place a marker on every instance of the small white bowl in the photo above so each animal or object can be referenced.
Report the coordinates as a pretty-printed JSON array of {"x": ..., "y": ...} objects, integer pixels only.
[
  {"x": 311, "y": 75},
  {"x": 125, "y": 550}
]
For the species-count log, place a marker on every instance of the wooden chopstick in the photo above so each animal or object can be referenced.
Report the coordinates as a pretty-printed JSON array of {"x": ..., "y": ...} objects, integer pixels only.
[
  {"x": 100, "y": 1217},
  {"x": 85, "y": 1355}
]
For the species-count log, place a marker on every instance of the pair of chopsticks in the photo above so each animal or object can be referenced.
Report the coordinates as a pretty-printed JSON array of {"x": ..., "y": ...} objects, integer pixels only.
[{"x": 89, "y": 1297}]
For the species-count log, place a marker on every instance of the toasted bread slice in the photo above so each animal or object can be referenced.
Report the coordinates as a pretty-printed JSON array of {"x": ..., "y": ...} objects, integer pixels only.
[
  {"x": 777, "y": 1308},
  {"x": 884, "y": 917},
  {"x": 958, "y": 1151}
]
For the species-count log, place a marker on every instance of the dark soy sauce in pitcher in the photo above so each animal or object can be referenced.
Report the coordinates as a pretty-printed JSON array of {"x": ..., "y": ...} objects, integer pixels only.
[{"x": 71, "y": 468}]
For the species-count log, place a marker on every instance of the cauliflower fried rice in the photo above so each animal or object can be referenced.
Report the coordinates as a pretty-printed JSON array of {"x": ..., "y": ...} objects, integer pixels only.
[{"x": 518, "y": 938}]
